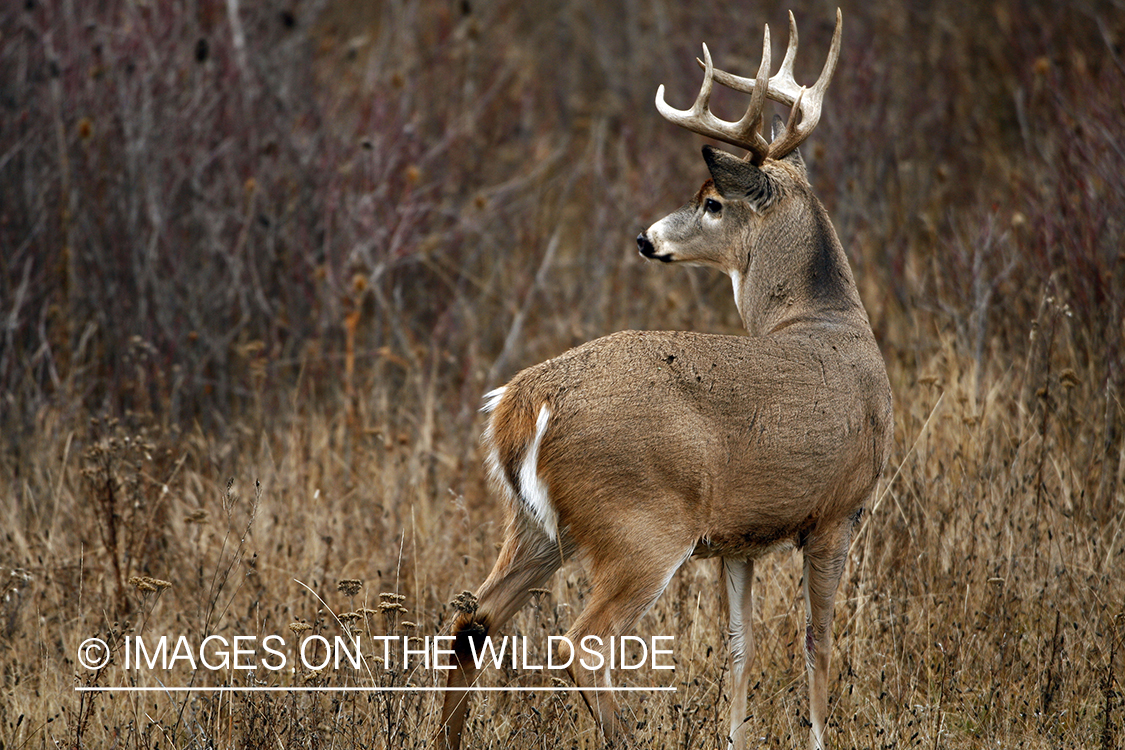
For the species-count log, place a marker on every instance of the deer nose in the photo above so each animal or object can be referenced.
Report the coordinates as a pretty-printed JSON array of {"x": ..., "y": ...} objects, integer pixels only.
[{"x": 644, "y": 244}]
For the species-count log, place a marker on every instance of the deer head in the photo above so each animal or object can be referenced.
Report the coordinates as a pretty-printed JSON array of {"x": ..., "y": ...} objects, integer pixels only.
[{"x": 757, "y": 219}]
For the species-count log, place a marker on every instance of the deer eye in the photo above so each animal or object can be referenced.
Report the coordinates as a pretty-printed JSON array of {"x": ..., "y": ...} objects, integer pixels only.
[{"x": 712, "y": 206}]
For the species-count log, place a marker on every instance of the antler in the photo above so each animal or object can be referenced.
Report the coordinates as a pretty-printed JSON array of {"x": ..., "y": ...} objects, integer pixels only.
[
  {"x": 783, "y": 88},
  {"x": 747, "y": 132}
]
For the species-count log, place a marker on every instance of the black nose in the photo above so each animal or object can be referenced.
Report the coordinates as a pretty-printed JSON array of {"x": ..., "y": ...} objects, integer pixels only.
[{"x": 644, "y": 244}]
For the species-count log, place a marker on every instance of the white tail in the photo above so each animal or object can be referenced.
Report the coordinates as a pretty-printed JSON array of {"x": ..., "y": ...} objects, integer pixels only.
[{"x": 639, "y": 450}]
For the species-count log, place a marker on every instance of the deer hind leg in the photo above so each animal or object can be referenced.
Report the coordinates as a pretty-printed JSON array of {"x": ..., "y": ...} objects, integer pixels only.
[
  {"x": 528, "y": 558},
  {"x": 624, "y": 589},
  {"x": 739, "y": 577},
  {"x": 825, "y": 554}
]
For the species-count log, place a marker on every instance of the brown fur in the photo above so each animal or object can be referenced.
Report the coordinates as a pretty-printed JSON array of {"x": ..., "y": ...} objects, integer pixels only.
[{"x": 662, "y": 445}]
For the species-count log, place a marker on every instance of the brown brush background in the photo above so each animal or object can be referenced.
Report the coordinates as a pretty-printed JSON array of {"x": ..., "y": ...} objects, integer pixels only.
[{"x": 293, "y": 243}]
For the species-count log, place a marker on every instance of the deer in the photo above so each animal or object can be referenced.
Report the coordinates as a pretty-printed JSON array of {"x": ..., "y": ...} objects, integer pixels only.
[{"x": 639, "y": 450}]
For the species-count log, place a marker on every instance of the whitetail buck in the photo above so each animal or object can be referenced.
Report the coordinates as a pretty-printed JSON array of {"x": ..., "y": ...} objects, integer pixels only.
[{"x": 639, "y": 450}]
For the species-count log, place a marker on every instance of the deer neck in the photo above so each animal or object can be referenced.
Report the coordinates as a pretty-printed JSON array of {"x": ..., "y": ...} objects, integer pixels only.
[{"x": 796, "y": 273}]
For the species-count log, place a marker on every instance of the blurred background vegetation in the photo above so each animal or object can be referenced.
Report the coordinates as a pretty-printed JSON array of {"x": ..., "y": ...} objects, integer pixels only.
[
  {"x": 200, "y": 218},
  {"x": 308, "y": 236}
]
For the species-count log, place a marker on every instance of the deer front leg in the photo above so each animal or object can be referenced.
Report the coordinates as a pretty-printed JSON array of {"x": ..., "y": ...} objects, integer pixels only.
[
  {"x": 825, "y": 555},
  {"x": 739, "y": 576}
]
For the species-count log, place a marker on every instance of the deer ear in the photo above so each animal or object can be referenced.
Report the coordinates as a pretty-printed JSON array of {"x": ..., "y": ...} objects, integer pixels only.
[
  {"x": 738, "y": 179},
  {"x": 794, "y": 156}
]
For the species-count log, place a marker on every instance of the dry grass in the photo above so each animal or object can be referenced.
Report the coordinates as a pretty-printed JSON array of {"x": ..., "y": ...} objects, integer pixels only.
[{"x": 299, "y": 264}]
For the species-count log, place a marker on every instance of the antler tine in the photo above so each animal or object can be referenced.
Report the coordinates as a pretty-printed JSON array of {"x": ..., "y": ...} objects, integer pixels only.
[
  {"x": 829, "y": 70},
  {"x": 809, "y": 101},
  {"x": 761, "y": 150},
  {"x": 786, "y": 70},
  {"x": 783, "y": 88},
  {"x": 746, "y": 133}
]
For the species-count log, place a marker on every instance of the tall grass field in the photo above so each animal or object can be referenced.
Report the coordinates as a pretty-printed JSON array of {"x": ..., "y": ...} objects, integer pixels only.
[{"x": 260, "y": 260}]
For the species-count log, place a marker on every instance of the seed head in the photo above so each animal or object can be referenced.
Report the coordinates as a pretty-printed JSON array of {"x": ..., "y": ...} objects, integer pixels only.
[{"x": 349, "y": 586}]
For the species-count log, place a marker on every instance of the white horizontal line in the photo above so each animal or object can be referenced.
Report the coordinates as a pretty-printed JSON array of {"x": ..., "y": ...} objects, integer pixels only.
[{"x": 357, "y": 689}]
